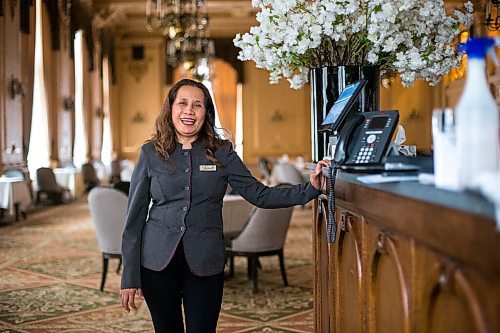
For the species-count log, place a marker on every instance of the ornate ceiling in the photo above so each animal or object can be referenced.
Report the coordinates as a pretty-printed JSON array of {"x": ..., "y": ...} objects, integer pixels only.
[{"x": 227, "y": 17}]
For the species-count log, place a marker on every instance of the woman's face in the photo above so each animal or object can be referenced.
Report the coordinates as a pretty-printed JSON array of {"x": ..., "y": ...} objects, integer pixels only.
[{"x": 188, "y": 113}]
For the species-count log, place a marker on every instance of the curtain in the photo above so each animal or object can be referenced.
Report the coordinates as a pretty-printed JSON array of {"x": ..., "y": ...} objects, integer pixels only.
[
  {"x": 96, "y": 115},
  {"x": 27, "y": 69},
  {"x": 87, "y": 97},
  {"x": 224, "y": 90},
  {"x": 49, "y": 73}
]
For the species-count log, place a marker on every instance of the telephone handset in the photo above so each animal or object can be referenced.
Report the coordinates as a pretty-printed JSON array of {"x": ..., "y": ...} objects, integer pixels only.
[
  {"x": 345, "y": 138},
  {"x": 362, "y": 146},
  {"x": 364, "y": 140}
]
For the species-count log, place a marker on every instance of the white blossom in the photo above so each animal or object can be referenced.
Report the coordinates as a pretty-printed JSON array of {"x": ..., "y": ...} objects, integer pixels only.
[{"x": 413, "y": 37}]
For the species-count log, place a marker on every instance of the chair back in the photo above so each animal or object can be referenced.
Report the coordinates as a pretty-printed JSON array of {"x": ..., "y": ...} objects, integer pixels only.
[
  {"x": 286, "y": 173},
  {"x": 46, "y": 180},
  {"x": 89, "y": 175},
  {"x": 116, "y": 170},
  {"x": 235, "y": 213},
  {"x": 265, "y": 230},
  {"x": 108, "y": 209},
  {"x": 265, "y": 168},
  {"x": 127, "y": 168},
  {"x": 123, "y": 187}
]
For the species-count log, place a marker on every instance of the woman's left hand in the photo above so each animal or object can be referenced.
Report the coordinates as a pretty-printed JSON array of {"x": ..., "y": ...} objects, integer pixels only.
[{"x": 316, "y": 177}]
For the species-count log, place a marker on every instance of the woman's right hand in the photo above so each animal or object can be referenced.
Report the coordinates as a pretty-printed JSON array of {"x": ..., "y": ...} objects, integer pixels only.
[{"x": 128, "y": 298}]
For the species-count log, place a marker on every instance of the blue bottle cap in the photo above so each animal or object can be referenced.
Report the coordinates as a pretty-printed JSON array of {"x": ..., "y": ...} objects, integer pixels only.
[{"x": 478, "y": 47}]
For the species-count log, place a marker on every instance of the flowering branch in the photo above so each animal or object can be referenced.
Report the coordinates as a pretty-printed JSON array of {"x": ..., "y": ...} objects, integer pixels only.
[{"x": 412, "y": 37}]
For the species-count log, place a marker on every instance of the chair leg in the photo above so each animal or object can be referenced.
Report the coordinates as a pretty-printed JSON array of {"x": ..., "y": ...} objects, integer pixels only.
[
  {"x": 249, "y": 268},
  {"x": 119, "y": 265},
  {"x": 59, "y": 198},
  {"x": 104, "y": 270},
  {"x": 282, "y": 267},
  {"x": 16, "y": 208},
  {"x": 254, "y": 261},
  {"x": 231, "y": 266}
]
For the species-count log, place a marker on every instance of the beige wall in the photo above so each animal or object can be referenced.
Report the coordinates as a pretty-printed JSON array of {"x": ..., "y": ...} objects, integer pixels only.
[
  {"x": 276, "y": 118},
  {"x": 415, "y": 105},
  {"x": 139, "y": 95}
]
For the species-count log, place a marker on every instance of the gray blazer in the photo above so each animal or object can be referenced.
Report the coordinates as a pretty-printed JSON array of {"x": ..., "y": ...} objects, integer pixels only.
[{"x": 186, "y": 203}]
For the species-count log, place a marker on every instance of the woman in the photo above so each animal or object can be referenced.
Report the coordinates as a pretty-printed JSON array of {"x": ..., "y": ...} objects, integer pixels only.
[{"x": 173, "y": 252}]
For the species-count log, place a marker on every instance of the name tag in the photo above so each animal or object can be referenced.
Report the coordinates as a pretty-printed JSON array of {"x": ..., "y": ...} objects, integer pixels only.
[{"x": 208, "y": 167}]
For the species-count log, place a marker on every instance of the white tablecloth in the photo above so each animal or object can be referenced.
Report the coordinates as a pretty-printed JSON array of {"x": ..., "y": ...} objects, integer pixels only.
[
  {"x": 72, "y": 179},
  {"x": 14, "y": 191}
]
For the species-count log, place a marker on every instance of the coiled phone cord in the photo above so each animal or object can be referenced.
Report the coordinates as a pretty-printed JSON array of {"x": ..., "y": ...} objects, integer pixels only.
[{"x": 331, "y": 229}]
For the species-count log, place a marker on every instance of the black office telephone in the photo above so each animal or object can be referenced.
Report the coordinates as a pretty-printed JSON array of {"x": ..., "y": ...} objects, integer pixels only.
[
  {"x": 362, "y": 146},
  {"x": 364, "y": 140}
]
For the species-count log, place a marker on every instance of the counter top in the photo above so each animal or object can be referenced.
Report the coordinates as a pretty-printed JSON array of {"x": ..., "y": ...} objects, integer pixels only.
[{"x": 466, "y": 201}]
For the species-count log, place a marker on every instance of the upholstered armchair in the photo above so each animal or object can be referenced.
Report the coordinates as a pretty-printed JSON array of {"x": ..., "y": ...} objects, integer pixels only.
[
  {"x": 286, "y": 172},
  {"x": 89, "y": 176},
  {"x": 264, "y": 234},
  {"x": 48, "y": 187},
  {"x": 108, "y": 209}
]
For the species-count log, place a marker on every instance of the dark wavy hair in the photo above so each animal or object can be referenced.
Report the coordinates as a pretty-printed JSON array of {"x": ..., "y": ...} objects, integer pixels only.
[{"x": 165, "y": 137}]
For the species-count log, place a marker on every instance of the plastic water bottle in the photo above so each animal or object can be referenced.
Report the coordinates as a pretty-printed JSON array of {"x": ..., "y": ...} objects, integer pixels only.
[{"x": 477, "y": 127}]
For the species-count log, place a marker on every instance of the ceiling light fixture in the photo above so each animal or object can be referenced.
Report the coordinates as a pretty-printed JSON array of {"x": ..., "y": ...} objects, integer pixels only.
[{"x": 184, "y": 23}]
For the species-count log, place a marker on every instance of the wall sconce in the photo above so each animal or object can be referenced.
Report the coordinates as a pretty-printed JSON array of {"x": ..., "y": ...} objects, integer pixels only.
[
  {"x": 277, "y": 116},
  {"x": 138, "y": 117},
  {"x": 16, "y": 87},
  {"x": 387, "y": 79},
  {"x": 492, "y": 20},
  {"x": 68, "y": 104},
  {"x": 99, "y": 112},
  {"x": 138, "y": 68}
]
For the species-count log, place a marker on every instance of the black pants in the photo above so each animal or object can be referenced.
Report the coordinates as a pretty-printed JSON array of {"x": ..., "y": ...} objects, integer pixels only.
[{"x": 167, "y": 290}]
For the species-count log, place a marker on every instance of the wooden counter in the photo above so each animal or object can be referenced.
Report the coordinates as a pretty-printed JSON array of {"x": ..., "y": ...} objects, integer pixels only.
[{"x": 408, "y": 258}]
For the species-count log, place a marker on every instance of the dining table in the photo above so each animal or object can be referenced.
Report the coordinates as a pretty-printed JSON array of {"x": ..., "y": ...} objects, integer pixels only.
[{"x": 15, "y": 195}]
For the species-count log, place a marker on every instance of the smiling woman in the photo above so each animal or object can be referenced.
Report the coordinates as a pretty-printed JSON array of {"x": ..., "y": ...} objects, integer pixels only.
[
  {"x": 188, "y": 114},
  {"x": 173, "y": 253}
]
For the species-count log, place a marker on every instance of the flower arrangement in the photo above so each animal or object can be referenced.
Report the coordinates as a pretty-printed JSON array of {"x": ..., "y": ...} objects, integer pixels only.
[{"x": 412, "y": 37}]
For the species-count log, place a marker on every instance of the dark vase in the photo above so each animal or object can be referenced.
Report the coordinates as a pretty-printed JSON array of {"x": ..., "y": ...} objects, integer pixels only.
[{"x": 326, "y": 85}]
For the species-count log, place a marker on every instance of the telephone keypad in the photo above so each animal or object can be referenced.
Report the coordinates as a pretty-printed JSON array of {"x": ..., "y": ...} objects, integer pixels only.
[{"x": 365, "y": 154}]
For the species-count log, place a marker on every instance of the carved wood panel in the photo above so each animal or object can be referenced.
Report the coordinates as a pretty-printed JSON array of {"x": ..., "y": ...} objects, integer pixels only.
[
  {"x": 387, "y": 272},
  {"x": 454, "y": 298},
  {"x": 322, "y": 307},
  {"x": 388, "y": 290},
  {"x": 346, "y": 285}
]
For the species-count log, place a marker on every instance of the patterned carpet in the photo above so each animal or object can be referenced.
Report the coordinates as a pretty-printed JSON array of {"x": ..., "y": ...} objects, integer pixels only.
[{"x": 50, "y": 269}]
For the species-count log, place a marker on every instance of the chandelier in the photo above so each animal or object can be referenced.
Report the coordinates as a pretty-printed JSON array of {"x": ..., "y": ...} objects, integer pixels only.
[
  {"x": 184, "y": 24},
  {"x": 493, "y": 15}
]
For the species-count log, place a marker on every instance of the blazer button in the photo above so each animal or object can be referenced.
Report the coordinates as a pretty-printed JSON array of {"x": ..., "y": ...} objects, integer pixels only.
[
  {"x": 182, "y": 228},
  {"x": 186, "y": 170},
  {"x": 186, "y": 153},
  {"x": 186, "y": 188},
  {"x": 184, "y": 209}
]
